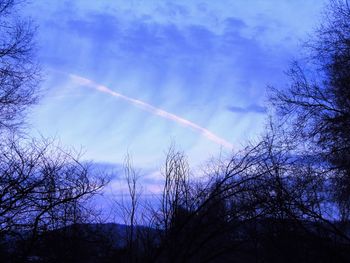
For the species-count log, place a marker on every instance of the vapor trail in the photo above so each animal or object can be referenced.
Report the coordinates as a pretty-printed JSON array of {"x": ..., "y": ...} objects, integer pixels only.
[{"x": 152, "y": 109}]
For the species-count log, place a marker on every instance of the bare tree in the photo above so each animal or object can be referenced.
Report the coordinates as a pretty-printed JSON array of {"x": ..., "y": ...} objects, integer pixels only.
[
  {"x": 132, "y": 177},
  {"x": 40, "y": 188},
  {"x": 315, "y": 109},
  {"x": 128, "y": 208},
  {"x": 43, "y": 188},
  {"x": 19, "y": 71},
  {"x": 176, "y": 191},
  {"x": 263, "y": 203}
]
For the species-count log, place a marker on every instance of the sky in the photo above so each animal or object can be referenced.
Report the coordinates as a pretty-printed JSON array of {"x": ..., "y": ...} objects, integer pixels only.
[{"x": 137, "y": 76}]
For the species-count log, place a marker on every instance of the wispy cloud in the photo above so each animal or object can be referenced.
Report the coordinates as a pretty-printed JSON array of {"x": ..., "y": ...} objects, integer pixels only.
[
  {"x": 253, "y": 108},
  {"x": 153, "y": 110}
]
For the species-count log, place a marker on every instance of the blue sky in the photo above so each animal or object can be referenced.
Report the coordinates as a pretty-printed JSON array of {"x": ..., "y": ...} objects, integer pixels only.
[{"x": 205, "y": 62}]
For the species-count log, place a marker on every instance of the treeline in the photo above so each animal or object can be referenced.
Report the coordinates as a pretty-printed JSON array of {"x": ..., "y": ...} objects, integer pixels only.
[{"x": 285, "y": 198}]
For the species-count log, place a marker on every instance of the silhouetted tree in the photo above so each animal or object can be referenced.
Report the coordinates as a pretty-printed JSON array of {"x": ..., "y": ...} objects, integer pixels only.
[
  {"x": 19, "y": 71},
  {"x": 42, "y": 187},
  {"x": 315, "y": 109},
  {"x": 128, "y": 209}
]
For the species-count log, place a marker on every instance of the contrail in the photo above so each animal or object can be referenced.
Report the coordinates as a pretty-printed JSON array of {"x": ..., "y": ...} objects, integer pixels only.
[{"x": 154, "y": 110}]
